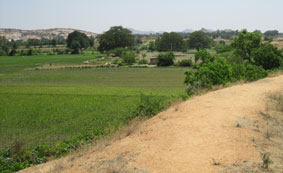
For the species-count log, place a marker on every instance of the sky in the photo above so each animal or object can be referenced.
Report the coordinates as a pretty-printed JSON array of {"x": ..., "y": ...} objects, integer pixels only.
[{"x": 146, "y": 15}]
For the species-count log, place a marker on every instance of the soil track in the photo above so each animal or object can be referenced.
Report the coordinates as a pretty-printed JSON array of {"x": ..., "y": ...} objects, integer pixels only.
[{"x": 199, "y": 135}]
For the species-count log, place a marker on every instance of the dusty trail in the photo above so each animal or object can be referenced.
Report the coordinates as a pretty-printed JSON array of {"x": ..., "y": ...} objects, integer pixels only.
[{"x": 193, "y": 136}]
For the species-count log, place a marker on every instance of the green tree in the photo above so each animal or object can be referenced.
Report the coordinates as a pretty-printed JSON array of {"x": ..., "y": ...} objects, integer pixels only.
[
  {"x": 77, "y": 36},
  {"x": 116, "y": 37},
  {"x": 91, "y": 41},
  {"x": 129, "y": 57},
  {"x": 199, "y": 40},
  {"x": 75, "y": 47},
  {"x": 204, "y": 56},
  {"x": 268, "y": 56},
  {"x": 245, "y": 43},
  {"x": 54, "y": 42},
  {"x": 151, "y": 46},
  {"x": 166, "y": 59},
  {"x": 170, "y": 42},
  {"x": 271, "y": 33}
]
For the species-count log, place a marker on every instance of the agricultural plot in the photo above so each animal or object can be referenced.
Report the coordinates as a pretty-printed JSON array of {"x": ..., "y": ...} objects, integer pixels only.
[{"x": 48, "y": 106}]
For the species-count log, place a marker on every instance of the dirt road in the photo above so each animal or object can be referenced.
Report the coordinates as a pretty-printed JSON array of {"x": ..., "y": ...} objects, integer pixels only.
[{"x": 199, "y": 135}]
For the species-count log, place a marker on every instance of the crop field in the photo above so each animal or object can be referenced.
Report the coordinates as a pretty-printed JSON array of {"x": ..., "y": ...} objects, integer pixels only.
[{"x": 48, "y": 106}]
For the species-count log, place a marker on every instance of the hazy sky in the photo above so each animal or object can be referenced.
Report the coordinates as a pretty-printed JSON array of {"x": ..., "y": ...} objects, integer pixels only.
[{"x": 157, "y": 15}]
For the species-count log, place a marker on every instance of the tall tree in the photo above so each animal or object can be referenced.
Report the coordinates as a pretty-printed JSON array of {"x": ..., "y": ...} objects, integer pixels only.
[
  {"x": 245, "y": 43},
  {"x": 199, "y": 40},
  {"x": 116, "y": 37},
  {"x": 170, "y": 42},
  {"x": 78, "y": 37}
]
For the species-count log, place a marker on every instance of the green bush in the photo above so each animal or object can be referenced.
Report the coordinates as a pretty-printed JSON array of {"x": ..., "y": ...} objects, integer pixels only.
[
  {"x": 204, "y": 56},
  {"x": 253, "y": 72},
  {"x": 149, "y": 106},
  {"x": 143, "y": 61},
  {"x": 119, "y": 51},
  {"x": 218, "y": 72},
  {"x": 221, "y": 48},
  {"x": 268, "y": 56},
  {"x": 129, "y": 57},
  {"x": 185, "y": 63},
  {"x": 166, "y": 59}
]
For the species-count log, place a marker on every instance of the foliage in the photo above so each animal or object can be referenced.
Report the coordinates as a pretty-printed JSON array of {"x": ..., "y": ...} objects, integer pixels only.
[
  {"x": 199, "y": 40},
  {"x": 185, "y": 63},
  {"x": 271, "y": 33},
  {"x": 221, "y": 48},
  {"x": 116, "y": 37},
  {"x": 119, "y": 51},
  {"x": 149, "y": 106},
  {"x": 151, "y": 46},
  {"x": 268, "y": 56},
  {"x": 204, "y": 56},
  {"x": 129, "y": 57},
  {"x": 143, "y": 61},
  {"x": 166, "y": 59},
  {"x": 75, "y": 47},
  {"x": 248, "y": 72},
  {"x": 79, "y": 37},
  {"x": 218, "y": 72},
  {"x": 170, "y": 42},
  {"x": 245, "y": 43}
]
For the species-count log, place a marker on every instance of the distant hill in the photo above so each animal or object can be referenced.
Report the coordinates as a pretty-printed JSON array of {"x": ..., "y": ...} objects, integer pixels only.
[{"x": 18, "y": 34}]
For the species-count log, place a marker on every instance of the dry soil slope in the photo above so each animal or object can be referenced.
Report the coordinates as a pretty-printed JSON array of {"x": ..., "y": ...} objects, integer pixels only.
[{"x": 188, "y": 137}]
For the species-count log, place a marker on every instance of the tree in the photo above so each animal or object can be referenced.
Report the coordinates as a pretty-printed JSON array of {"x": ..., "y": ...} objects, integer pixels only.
[
  {"x": 116, "y": 37},
  {"x": 170, "y": 42},
  {"x": 268, "y": 56},
  {"x": 166, "y": 59},
  {"x": 54, "y": 42},
  {"x": 91, "y": 41},
  {"x": 271, "y": 33},
  {"x": 75, "y": 47},
  {"x": 245, "y": 43},
  {"x": 151, "y": 46},
  {"x": 204, "y": 56},
  {"x": 129, "y": 57},
  {"x": 199, "y": 40},
  {"x": 77, "y": 36}
]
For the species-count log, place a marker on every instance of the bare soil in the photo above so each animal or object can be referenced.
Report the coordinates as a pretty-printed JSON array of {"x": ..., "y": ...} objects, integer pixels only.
[{"x": 204, "y": 134}]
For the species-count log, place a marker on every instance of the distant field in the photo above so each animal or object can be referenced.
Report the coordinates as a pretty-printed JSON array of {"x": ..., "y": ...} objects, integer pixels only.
[
  {"x": 17, "y": 64},
  {"x": 47, "y": 106}
]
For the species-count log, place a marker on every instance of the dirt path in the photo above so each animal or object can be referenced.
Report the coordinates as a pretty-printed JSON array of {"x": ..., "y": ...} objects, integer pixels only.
[{"x": 199, "y": 135}]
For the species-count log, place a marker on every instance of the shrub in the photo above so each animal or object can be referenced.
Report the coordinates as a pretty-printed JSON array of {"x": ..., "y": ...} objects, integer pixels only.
[
  {"x": 253, "y": 72},
  {"x": 149, "y": 106},
  {"x": 30, "y": 52},
  {"x": 212, "y": 73},
  {"x": 248, "y": 72},
  {"x": 119, "y": 51},
  {"x": 223, "y": 48},
  {"x": 143, "y": 61},
  {"x": 166, "y": 59},
  {"x": 268, "y": 56},
  {"x": 185, "y": 63},
  {"x": 204, "y": 56},
  {"x": 129, "y": 57}
]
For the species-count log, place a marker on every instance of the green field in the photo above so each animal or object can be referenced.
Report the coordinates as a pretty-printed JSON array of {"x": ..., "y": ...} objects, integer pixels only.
[{"x": 47, "y": 106}]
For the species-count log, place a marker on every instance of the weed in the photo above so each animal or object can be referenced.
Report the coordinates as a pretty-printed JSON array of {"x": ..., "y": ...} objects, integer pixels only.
[{"x": 266, "y": 160}]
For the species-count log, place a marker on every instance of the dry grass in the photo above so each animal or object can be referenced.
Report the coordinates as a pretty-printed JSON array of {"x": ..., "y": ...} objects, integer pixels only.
[{"x": 270, "y": 146}]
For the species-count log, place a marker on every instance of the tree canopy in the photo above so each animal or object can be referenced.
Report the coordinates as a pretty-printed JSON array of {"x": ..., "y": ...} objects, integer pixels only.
[
  {"x": 245, "y": 43},
  {"x": 170, "y": 42},
  {"x": 199, "y": 40},
  {"x": 116, "y": 37},
  {"x": 77, "y": 36}
]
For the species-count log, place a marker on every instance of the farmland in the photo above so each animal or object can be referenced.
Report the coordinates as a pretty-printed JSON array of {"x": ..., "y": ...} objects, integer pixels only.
[{"x": 48, "y": 106}]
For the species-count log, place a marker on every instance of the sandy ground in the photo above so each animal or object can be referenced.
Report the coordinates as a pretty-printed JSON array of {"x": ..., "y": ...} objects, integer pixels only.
[{"x": 199, "y": 135}]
